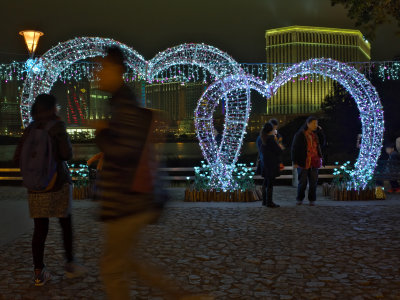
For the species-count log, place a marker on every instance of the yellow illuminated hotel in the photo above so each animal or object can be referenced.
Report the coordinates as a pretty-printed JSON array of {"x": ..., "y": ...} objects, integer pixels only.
[{"x": 294, "y": 44}]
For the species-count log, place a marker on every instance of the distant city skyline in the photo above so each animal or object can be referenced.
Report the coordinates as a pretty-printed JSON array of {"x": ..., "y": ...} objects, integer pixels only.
[{"x": 235, "y": 26}]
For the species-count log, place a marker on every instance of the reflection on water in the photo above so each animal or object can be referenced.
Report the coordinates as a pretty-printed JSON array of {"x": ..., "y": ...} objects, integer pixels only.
[
  {"x": 7, "y": 152},
  {"x": 170, "y": 151}
]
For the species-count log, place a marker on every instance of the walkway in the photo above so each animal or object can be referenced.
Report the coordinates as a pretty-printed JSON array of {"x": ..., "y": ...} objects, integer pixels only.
[{"x": 336, "y": 250}]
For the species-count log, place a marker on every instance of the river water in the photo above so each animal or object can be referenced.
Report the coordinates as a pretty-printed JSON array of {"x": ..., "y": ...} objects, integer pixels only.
[{"x": 175, "y": 154}]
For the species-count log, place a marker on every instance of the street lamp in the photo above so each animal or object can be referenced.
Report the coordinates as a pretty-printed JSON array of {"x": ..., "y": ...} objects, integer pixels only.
[{"x": 31, "y": 39}]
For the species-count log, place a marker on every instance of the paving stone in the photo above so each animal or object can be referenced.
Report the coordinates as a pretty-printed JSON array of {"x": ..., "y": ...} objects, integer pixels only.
[{"x": 233, "y": 251}]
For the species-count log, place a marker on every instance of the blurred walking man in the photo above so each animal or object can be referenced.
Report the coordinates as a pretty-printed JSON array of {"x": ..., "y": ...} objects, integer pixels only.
[{"x": 125, "y": 185}]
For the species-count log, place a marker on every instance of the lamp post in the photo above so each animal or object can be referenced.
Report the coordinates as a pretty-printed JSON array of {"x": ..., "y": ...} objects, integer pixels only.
[{"x": 31, "y": 39}]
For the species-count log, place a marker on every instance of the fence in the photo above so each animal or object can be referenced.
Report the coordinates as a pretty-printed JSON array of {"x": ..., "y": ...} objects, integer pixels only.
[{"x": 180, "y": 174}]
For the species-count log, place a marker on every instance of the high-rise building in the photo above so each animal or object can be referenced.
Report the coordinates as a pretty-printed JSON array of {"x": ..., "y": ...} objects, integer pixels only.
[
  {"x": 294, "y": 44},
  {"x": 178, "y": 100},
  {"x": 10, "y": 115},
  {"x": 78, "y": 103},
  {"x": 98, "y": 103}
]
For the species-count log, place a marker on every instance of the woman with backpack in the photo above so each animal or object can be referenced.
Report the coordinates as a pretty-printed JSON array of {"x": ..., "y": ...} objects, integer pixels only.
[{"x": 42, "y": 154}]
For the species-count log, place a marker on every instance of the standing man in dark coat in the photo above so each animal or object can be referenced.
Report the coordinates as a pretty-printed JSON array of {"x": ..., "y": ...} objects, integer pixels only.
[{"x": 307, "y": 158}]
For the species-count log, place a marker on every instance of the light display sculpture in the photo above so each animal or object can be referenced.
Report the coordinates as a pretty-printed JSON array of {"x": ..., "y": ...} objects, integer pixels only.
[
  {"x": 231, "y": 84},
  {"x": 44, "y": 73},
  {"x": 368, "y": 103},
  {"x": 235, "y": 91},
  {"x": 46, "y": 70},
  {"x": 216, "y": 62}
]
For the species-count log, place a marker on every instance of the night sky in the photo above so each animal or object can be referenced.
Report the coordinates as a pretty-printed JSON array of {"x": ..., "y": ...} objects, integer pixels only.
[{"x": 149, "y": 26}]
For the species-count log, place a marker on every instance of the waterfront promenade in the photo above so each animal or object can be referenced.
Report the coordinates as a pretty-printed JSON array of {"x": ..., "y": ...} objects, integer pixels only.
[{"x": 335, "y": 250}]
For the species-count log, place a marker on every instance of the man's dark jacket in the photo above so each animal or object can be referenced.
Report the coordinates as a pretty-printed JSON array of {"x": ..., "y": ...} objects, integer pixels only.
[{"x": 299, "y": 146}]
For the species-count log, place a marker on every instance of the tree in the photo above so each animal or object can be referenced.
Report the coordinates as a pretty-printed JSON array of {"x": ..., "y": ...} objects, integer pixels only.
[
  {"x": 389, "y": 93},
  {"x": 341, "y": 123},
  {"x": 369, "y": 14}
]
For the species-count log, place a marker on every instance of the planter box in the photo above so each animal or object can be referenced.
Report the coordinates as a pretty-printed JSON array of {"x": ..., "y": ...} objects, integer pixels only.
[
  {"x": 192, "y": 195},
  {"x": 82, "y": 192},
  {"x": 352, "y": 195}
]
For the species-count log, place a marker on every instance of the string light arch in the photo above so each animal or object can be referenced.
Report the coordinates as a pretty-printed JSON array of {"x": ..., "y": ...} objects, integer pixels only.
[
  {"x": 368, "y": 103},
  {"x": 215, "y": 61},
  {"x": 235, "y": 91},
  {"x": 232, "y": 85},
  {"x": 222, "y": 157},
  {"x": 48, "y": 67},
  {"x": 44, "y": 71}
]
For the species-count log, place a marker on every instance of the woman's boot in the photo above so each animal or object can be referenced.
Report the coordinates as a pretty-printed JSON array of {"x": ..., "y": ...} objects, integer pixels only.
[{"x": 272, "y": 204}]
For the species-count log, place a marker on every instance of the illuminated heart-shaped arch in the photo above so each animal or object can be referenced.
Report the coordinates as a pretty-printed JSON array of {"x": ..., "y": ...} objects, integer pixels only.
[
  {"x": 368, "y": 103},
  {"x": 48, "y": 67},
  {"x": 223, "y": 158},
  {"x": 234, "y": 89},
  {"x": 53, "y": 62},
  {"x": 215, "y": 61}
]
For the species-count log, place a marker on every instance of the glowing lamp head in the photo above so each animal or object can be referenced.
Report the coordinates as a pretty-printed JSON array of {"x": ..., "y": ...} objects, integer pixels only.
[{"x": 31, "y": 39}]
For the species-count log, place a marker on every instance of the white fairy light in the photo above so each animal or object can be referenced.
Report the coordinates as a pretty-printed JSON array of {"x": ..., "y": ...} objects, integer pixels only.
[{"x": 232, "y": 84}]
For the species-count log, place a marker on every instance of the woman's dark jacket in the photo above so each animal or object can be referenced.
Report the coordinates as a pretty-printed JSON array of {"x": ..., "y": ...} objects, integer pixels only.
[
  {"x": 260, "y": 165},
  {"x": 271, "y": 155},
  {"x": 299, "y": 146},
  {"x": 61, "y": 146}
]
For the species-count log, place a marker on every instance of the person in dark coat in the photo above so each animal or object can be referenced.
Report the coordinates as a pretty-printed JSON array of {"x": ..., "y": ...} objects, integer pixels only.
[
  {"x": 279, "y": 139},
  {"x": 55, "y": 200},
  {"x": 307, "y": 158},
  {"x": 271, "y": 151},
  {"x": 394, "y": 166}
]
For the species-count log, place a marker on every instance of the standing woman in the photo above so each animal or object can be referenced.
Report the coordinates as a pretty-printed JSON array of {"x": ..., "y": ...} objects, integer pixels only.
[
  {"x": 271, "y": 152},
  {"x": 51, "y": 198}
]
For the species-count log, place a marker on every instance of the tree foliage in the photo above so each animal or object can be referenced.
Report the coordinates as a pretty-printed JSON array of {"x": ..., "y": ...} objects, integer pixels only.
[
  {"x": 341, "y": 123},
  {"x": 368, "y": 14},
  {"x": 389, "y": 91}
]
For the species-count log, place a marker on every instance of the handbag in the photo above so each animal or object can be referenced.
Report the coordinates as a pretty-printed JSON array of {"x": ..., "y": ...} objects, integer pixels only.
[{"x": 316, "y": 162}]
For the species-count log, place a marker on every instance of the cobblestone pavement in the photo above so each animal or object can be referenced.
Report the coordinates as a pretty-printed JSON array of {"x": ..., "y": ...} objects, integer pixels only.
[{"x": 330, "y": 251}]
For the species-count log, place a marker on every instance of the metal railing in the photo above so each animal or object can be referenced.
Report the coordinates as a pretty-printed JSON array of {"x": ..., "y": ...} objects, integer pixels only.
[
  {"x": 257, "y": 177},
  {"x": 14, "y": 174}
]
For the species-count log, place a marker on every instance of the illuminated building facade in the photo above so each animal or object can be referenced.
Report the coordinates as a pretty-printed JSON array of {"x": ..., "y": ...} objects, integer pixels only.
[
  {"x": 98, "y": 103},
  {"x": 10, "y": 115},
  {"x": 294, "y": 44},
  {"x": 178, "y": 100}
]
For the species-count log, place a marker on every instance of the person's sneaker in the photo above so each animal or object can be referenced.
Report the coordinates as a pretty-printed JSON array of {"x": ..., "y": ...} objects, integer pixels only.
[
  {"x": 273, "y": 205},
  {"x": 299, "y": 202},
  {"x": 312, "y": 203},
  {"x": 41, "y": 277},
  {"x": 74, "y": 270}
]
